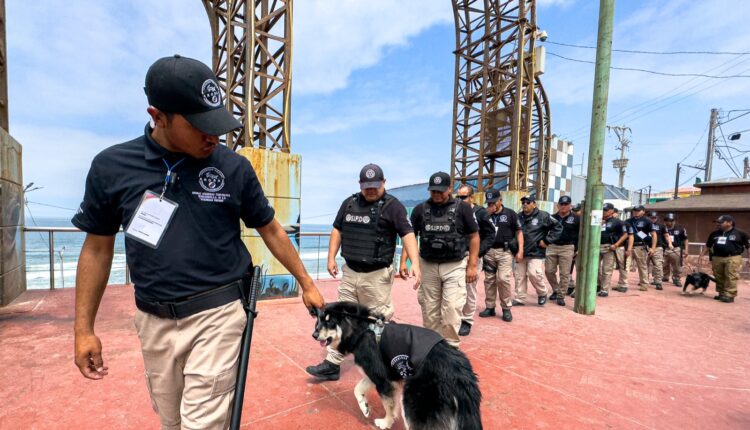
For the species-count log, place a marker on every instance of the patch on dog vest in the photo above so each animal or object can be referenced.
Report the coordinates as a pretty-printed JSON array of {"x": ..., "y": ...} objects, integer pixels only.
[{"x": 404, "y": 347}]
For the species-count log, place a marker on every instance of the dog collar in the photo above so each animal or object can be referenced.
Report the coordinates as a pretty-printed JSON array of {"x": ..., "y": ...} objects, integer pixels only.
[{"x": 377, "y": 327}]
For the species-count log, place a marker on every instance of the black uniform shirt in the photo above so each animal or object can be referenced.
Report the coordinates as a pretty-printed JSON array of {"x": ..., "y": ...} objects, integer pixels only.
[
  {"x": 612, "y": 230},
  {"x": 486, "y": 229},
  {"x": 393, "y": 220},
  {"x": 727, "y": 244},
  {"x": 641, "y": 225},
  {"x": 466, "y": 223},
  {"x": 201, "y": 248},
  {"x": 660, "y": 230},
  {"x": 679, "y": 235},
  {"x": 571, "y": 224},
  {"x": 506, "y": 224}
]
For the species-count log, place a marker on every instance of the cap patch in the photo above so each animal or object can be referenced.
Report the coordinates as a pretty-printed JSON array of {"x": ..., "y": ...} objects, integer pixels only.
[{"x": 211, "y": 94}]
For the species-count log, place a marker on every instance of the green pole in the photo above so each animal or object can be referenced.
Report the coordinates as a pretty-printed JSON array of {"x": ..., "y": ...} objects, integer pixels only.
[{"x": 592, "y": 211}]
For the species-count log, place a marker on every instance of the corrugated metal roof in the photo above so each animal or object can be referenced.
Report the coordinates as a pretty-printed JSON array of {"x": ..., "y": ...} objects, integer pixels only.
[{"x": 709, "y": 203}]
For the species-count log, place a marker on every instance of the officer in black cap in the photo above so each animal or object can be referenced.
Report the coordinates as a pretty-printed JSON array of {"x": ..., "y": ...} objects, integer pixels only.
[
  {"x": 663, "y": 244},
  {"x": 727, "y": 245},
  {"x": 673, "y": 256},
  {"x": 498, "y": 262},
  {"x": 180, "y": 197},
  {"x": 561, "y": 252},
  {"x": 644, "y": 244},
  {"x": 447, "y": 231},
  {"x": 614, "y": 236},
  {"x": 366, "y": 227}
]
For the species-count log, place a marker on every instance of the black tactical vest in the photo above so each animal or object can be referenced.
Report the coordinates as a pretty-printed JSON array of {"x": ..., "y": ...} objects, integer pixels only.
[
  {"x": 363, "y": 240},
  {"x": 440, "y": 240}
]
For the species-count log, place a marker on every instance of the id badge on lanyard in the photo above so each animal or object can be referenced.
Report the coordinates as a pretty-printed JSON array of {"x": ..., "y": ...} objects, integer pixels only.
[
  {"x": 721, "y": 240},
  {"x": 151, "y": 219}
]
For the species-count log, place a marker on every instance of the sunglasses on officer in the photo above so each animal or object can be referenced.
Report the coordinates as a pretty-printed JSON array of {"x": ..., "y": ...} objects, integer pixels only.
[{"x": 458, "y": 196}]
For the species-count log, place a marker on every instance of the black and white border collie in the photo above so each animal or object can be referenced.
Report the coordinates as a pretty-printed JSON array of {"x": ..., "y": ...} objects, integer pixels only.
[{"x": 440, "y": 389}]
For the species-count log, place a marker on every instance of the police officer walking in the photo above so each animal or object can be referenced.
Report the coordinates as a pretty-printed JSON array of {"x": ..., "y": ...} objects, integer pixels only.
[
  {"x": 726, "y": 245},
  {"x": 498, "y": 262},
  {"x": 622, "y": 253},
  {"x": 539, "y": 231},
  {"x": 613, "y": 237},
  {"x": 560, "y": 253},
  {"x": 673, "y": 256},
  {"x": 447, "y": 229},
  {"x": 365, "y": 228},
  {"x": 663, "y": 244},
  {"x": 644, "y": 244},
  {"x": 486, "y": 237},
  {"x": 180, "y": 196}
]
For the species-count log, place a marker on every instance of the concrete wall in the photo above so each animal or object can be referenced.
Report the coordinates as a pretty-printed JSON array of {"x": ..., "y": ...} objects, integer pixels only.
[{"x": 12, "y": 251}]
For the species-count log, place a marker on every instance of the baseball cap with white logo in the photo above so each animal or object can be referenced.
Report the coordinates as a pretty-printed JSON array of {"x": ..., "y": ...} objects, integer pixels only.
[
  {"x": 371, "y": 176},
  {"x": 439, "y": 181},
  {"x": 188, "y": 87}
]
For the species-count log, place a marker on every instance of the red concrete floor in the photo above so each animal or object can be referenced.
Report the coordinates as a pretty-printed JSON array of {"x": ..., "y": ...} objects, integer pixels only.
[{"x": 653, "y": 360}]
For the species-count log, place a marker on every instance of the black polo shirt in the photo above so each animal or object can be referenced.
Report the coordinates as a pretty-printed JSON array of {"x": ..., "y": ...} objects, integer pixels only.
[
  {"x": 201, "y": 248},
  {"x": 612, "y": 231},
  {"x": 571, "y": 224},
  {"x": 506, "y": 225},
  {"x": 728, "y": 243},
  {"x": 641, "y": 225}
]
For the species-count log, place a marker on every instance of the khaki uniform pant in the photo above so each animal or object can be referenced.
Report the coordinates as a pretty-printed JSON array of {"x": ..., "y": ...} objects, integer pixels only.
[
  {"x": 672, "y": 263},
  {"x": 372, "y": 289},
  {"x": 727, "y": 273},
  {"x": 191, "y": 365},
  {"x": 559, "y": 257},
  {"x": 657, "y": 264},
  {"x": 498, "y": 266},
  {"x": 640, "y": 256},
  {"x": 622, "y": 281},
  {"x": 606, "y": 265},
  {"x": 442, "y": 296},
  {"x": 467, "y": 314},
  {"x": 531, "y": 269}
]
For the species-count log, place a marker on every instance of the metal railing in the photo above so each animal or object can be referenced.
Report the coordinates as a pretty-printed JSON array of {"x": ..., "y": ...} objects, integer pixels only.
[{"x": 50, "y": 232}]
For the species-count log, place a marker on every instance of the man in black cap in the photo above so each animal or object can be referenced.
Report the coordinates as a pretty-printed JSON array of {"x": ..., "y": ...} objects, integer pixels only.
[
  {"x": 673, "y": 257},
  {"x": 663, "y": 244},
  {"x": 366, "y": 227},
  {"x": 539, "y": 231},
  {"x": 726, "y": 245},
  {"x": 613, "y": 237},
  {"x": 644, "y": 244},
  {"x": 180, "y": 197},
  {"x": 447, "y": 230},
  {"x": 486, "y": 238},
  {"x": 498, "y": 262},
  {"x": 560, "y": 253},
  {"x": 621, "y": 258}
]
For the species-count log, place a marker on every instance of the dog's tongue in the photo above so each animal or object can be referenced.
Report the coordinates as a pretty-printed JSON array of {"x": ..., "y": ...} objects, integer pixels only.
[{"x": 323, "y": 343}]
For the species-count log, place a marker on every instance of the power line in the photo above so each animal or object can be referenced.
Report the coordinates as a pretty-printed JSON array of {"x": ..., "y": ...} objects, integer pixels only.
[
  {"x": 696, "y": 144},
  {"x": 653, "y": 72},
  {"x": 738, "y": 116},
  {"x": 630, "y": 51},
  {"x": 52, "y": 206}
]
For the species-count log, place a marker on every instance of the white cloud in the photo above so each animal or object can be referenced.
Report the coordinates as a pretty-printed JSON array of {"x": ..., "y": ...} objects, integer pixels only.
[{"x": 332, "y": 39}]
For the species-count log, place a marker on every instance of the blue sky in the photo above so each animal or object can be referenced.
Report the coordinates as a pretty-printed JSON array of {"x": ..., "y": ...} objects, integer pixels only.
[{"x": 373, "y": 82}]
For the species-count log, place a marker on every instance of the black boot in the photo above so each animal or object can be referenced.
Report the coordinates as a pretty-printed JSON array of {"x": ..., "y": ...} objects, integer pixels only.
[
  {"x": 507, "y": 316},
  {"x": 465, "y": 329},
  {"x": 326, "y": 371},
  {"x": 553, "y": 296},
  {"x": 561, "y": 301},
  {"x": 726, "y": 299},
  {"x": 659, "y": 287},
  {"x": 489, "y": 312},
  {"x": 570, "y": 291}
]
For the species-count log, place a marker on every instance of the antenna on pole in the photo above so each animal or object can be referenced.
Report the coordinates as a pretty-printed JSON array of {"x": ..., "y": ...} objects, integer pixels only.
[{"x": 621, "y": 163}]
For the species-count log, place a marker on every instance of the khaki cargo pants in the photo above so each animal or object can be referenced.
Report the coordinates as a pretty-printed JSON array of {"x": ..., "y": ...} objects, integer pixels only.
[
  {"x": 467, "y": 313},
  {"x": 620, "y": 259},
  {"x": 640, "y": 258},
  {"x": 559, "y": 257},
  {"x": 657, "y": 264},
  {"x": 671, "y": 263},
  {"x": 606, "y": 265},
  {"x": 727, "y": 273},
  {"x": 372, "y": 289},
  {"x": 191, "y": 365},
  {"x": 531, "y": 269},
  {"x": 442, "y": 296},
  {"x": 498, "y": 267}
]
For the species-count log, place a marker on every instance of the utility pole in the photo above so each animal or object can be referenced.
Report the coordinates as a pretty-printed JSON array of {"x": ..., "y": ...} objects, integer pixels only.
[
  {"x": 711, "y": 140},
  {"x": 746, "y": 171},
  {"x": 677, "y": 181},
  {"x": 622, "y": 162},
  {"x": 586, "y": 279}
]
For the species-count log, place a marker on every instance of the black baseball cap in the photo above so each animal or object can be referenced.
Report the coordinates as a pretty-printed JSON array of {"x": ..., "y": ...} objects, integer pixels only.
[
  {"x": 491, "y": 196},
  {"x": 371, "y": 176},
  {"x": 564, "y": 200},
  {"x": 529, "y": 198},
  {"x": 652, "y": 214},
  {"x": 639, "y": 208},
  {"x": 669, "y": 217},
  {"x": 188, "y": 87},
  {"x": 608, "y": 207},
  {"x": 723, "y": 218},
  {"x": 439, "y": 181}
]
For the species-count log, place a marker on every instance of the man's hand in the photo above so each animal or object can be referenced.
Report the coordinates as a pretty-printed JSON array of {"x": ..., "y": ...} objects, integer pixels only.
[
  {"x": 88, "y": 356},
  {"x": 471, "y": 274},
  {"x": 333, "y": 268},
  {"x": 651, "y": 251},
  {"x": 627, "y": 253},
  {"x": 416, "y": 272},
  {"x": 519, "y": 257},
  {"x": 542, "y": 244},
  {"x": 311, "y": 296}
]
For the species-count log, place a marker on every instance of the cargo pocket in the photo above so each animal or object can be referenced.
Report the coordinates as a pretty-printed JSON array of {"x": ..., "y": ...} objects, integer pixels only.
[
  {"x": 223, "y": 383},
  {"x": 151, "y": 393}
]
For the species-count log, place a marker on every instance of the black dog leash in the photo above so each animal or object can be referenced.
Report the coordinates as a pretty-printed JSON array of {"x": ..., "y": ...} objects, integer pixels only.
[{"x": 247, "y": 337}]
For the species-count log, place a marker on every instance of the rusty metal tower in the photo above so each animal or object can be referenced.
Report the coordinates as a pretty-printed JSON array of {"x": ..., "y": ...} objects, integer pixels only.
[
  {"x": 252, "y": 58},
  {"x": 501, "y": 125}
]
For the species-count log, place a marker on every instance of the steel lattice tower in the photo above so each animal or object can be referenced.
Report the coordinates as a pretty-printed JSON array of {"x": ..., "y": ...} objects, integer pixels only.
[
  {"x": 252, "y": 52},
  {"x": 501, "y": 126}
]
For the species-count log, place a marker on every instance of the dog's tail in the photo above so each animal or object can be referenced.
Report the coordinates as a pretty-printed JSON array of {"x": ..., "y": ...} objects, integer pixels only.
[
  {"x": 711, "y": 278},
  {"x": 468, "y": 398}
]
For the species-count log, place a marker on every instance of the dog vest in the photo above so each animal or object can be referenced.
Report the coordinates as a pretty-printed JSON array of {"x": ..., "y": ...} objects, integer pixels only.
[{"x": 404, "y": 347}]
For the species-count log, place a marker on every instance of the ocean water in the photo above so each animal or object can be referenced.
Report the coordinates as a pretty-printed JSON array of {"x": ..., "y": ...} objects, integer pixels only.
[{"x": 67, "y": 246}]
